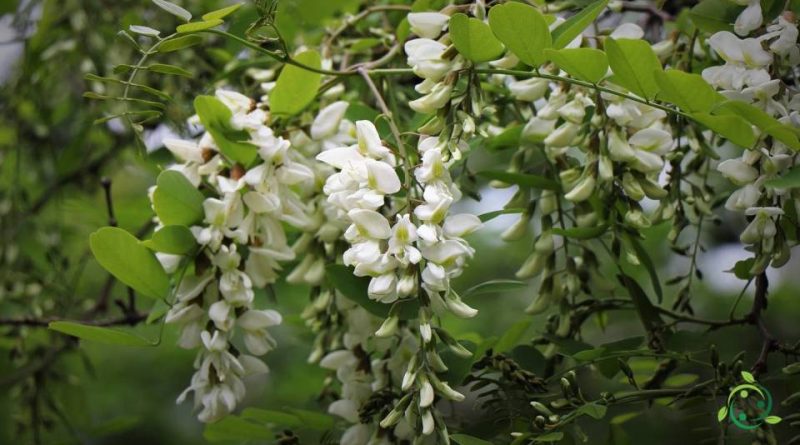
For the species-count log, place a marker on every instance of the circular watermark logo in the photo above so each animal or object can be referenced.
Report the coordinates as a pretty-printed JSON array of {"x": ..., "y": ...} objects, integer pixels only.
[{"x": 749, "y": 405}]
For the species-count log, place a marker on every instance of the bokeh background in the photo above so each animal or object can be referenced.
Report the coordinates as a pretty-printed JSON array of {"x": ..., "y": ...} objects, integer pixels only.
[{"x": 52, "y": 157}]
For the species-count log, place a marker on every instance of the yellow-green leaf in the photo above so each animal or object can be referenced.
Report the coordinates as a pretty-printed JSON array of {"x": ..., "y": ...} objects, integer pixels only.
[
  {"x": 198, "y": 26},
  {"x": 99, "y": 334},
  {"x": 574, "y": 26},
  {"x": 587, "y": 64},
  {"x": 474, "y": 39},
  {"x": 122, "y": 255},
  {"x": 176, "y": 200},
  {"x": 634, "y": 65},
  {"x": 522, "y": 29},
  {"x": 296, "y": 87},
  {"x": 222, "y": 12}
]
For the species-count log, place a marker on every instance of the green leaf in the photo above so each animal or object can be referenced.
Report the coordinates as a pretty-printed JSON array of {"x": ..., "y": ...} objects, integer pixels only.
[
  {"x": 98, "y": 334},
  {"x": 197, "y": 26},
  {"x": 144, "y": 30},
  {"x": 121, "y": 254},
  {"x": 747, "y": 377},
  {"x": 788, "y": 180},
  {"x": 588, "y": 355},
  {"x": 281, "y": 418},
  {"x": 522, "y": 29},
  {"x": 508, "y": 138},
  {"x": 648, "y": 314},
  {"x": 688, "y": 91},
  {"x": 634, "y": 65},
  {"x": 762, "y": 120},
  {"x": 216, "y": 117},
  {"x": 178, "y": 43},
  {"x": 174, "y": 9},
  {"x": 168, "y": 69},
  {"x": 236, "y": 429},
  {"x": 647, "y": 262},
  {"x": 712, "y": 16},
  {"x": 312, "y": 419},
  {"x": 587, "y": 64},
  {"x": 731, "y": 127},
  {"x": 474, "y": 39},
  {"x": 488, "y": 216},
  {"x": 355, "y": 289},
  {"x": 176, "y": 240},
  {"x": 512, "y": 336},
  {"x": 722, "y": 413},
  {"x": 494, "y": 287},
  {"x": 296, "y": 87},
  {"x": 679, "y": 380},
  {"x": 549, "y": 437},
  {"x": 574, "y": 26},
  {"x": 593, "y": 410},
  {"x": 176, "y": 201},
  {"x": 523, "y": 179},
  {"x": 742, "y": 269},
  {"x": 221, "y": 13},
  {"x": 581, "y": 232},
  {"x": 463, "y": 439}
]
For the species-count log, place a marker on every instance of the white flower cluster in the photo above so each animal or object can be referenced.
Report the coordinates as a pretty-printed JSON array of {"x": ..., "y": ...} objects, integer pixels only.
[
  {"x": 243, "y": 209},
  {"x": 746, "y": 76}
]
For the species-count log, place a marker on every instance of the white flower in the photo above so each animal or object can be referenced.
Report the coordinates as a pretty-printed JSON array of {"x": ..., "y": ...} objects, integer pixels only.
[
  {"x": 255, "y": 323},
  {"x": 737, "y": 171},
  {"x": 327, "y": 122},
  {"x": 750, "y": 19},
  {"x": 744, "y": 198},
  {"x": 425, "y": 59},
  {"x": 628, "y": 31},
  {"x": 530, "y": 90},
  {"x": 762, "y": 227},
  {"x": 438, "y": 97},
  {"x": 583, "y": 190},
  {"x": 427, "y": 24}
]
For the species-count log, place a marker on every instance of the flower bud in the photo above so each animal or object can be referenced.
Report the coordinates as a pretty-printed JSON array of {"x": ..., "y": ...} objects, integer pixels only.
[
  {"x": 517, "y": 230},
  {"x": 426, "y": 393},
  {"x": 583, "y": 190},
  {"x": 631, "y": 187},
  {"x": 532, "y": 266},
  {"x": 388, "y": 327}
]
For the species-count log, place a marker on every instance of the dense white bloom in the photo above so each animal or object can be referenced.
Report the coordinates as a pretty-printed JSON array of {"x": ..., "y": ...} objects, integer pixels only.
[{"x": 427, "y": 24}]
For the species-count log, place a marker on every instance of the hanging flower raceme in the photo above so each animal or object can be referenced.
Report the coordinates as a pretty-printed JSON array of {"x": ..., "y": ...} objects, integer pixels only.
[{"x": 241, "y": 243}]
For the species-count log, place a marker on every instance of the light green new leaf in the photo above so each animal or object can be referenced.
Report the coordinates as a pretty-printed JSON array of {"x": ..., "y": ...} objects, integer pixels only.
[
  {"x": 731, "y": 127},
  {"x": 522, "y": 29},
  {"x": 762, "y": 120},
  {"x": 528, "y": 180},
  {"x": 99, "y": 334},
  {"x": 688, "y": 91},
  {"x": 463, "y": 439},
  {"x": 748, "y": 377},
  {"x": 122, "y": 255},
  {"x": 198, "y": 26},
  {"x": 634, "y": 65},
  {"x": 587, "y": 64},
  {"x": 144, "y": 30},
  {"x": 221, "y": 13},
  {"x": 574, "y": 26},
  {"x": 788, "y": 180},
  {"x": 216, "y": 117},
  {"x": 474, "y": 39},
  {"x": 176, "y": 240},
  {"x": 488, "y": 216},
  {"x": 174, "y": 9},
  {"x": 176, "y": 200},
  {"x": 772, "y": 420},
  {"x": 296, "y": 87},
  {"x": 179, "y": 43}
]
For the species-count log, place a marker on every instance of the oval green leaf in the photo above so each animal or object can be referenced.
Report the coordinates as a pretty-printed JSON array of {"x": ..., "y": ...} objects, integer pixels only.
[
  {"x": 174, "y": 9},
  {"x": 176, "y": 240},
  {"x": 178, "y": 43},
  {"x": 587, "y": 64},
  {"x": 296, "y": 87},
  {"x": 176, "y": 201},
  {"x": 528, "y": 180},
  {"x": 474, "y": 39},
  {"x": 574, "y": 26},
  {"x": 198, "y": 26},
  {"x": 99, "y": 334},
  {"x": 522, "y": 29},
  {"x": 634, "y": 65},
  {"x": 686, "y": 90},
  {"x": 216, "y": 117},
  {"x": 122, "y": 255},
  {"x": 221, "y": 13}
]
